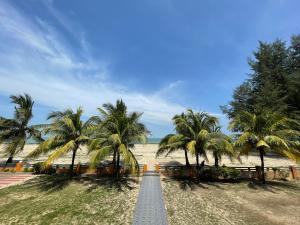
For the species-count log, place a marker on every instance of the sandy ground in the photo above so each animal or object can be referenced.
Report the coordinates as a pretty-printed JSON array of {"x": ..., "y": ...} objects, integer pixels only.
[
  {"x": 145, "y": 154},
  {"x": 246, "y": 203}
]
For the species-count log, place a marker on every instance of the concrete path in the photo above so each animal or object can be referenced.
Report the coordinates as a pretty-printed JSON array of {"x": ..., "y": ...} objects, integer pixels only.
[
  {"x": 8, "y": 179},
  {"x": 150, "y": 208}
]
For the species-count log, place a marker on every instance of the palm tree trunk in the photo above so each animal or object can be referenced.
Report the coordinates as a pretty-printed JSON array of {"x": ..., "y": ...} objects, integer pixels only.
[
  {"x": 197, "y": 161},
  {"x": 73, "y": 159},
  {"x": 216, "y": 161},
  {"x": 9, "y": 160},
  {"x": 118, "y": 165},
  {"x": 114, "y": 163},
  {"x": 114, "y": 157},
  {"x": 261, "y": 153},
  {"x": 187, "y": 163}
]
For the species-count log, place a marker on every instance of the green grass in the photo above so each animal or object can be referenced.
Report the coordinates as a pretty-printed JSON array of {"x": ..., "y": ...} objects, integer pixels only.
[{"x": 61, "y": 200}]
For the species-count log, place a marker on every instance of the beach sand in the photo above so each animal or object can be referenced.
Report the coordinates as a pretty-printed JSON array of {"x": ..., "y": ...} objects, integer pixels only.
[{"x": 145, "y": 154}]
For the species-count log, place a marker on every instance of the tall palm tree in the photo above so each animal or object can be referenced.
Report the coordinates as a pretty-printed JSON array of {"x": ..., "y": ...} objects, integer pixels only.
[
  {"x": 15, "y": 132},
  {"x": 267, "y": 132},
  {"x": 193, "y": 134},
  {"x": 116, "y": 132},
  {"x": 174, "y": 142},
  {"x": 171, "y": 143},
  {"x": 67, "y": 133},
  {"x": 220, "y": 145}
]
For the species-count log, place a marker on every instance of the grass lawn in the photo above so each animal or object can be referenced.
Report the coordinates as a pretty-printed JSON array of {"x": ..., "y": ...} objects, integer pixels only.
[
  {"x": 61, "y": 200},
  {"x": 232, "y": 203}
]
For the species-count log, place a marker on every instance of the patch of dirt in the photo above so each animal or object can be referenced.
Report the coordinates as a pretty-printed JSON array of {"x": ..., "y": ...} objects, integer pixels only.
[{"x": 238, "y": 203}]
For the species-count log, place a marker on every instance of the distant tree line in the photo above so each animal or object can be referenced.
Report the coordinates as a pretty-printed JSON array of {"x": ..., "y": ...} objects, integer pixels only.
[{"x": 274, "y": 83}]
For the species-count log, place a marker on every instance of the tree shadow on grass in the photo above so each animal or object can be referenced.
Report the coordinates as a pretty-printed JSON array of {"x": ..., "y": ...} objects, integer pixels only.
[
  {"x": 187, "y": 183},
  {"x": 273, "y": 186},
  {"x": 120, "y": 184},
  {"x": 56, "y": 182}
]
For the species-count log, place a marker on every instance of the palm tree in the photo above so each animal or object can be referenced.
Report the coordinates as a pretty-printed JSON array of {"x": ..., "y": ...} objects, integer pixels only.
[
  {"x": 67, "y": 133},
  {"x": 115, "y": 133},
  {"x": 193, "y": 133},
  {"x": 266, "y": 132},
  {"x": 196, "y": 126},
  {"x": 174, "y": 142},
  {"x": 15, "y": 132},
  {"x": 171, "y": 143},
  {"x": 220, "y": 145}
]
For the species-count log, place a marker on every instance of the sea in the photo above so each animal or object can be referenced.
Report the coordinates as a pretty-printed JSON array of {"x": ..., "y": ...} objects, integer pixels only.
[{"x": 150, "y": 141}]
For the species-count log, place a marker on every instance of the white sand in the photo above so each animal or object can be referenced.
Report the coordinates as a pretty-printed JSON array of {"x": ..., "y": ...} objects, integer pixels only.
[{"x": 145, "y": 154}]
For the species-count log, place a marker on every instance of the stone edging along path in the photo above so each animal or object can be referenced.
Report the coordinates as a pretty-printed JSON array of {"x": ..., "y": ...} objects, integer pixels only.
[{"x": 150, "y": 208}]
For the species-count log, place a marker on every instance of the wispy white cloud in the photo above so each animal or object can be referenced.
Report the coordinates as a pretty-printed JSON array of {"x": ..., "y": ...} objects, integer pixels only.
[{"x": 35, "y": 58}]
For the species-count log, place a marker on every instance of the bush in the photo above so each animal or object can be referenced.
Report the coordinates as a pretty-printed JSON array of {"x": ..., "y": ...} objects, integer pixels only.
[
  {"x": 49, "y": 170},
  {"x": 217, "y": 173},
  {"x": 28, "y": 169},
  {"x": 38, "y": 168}
]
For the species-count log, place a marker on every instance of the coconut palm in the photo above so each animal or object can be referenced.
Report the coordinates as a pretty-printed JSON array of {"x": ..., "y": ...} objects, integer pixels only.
[
  {"x": 266, "y": 132},
  {"x": 15, "y": 132},
  {"x": 220, "y": 145},
  {"x": 171, "y": 143},
  {"x": 174, "y": 142},
  {"x": 196, "y": 127},
  {"x": 193, "y": 133},
  {"x": 67, "y": 133},
  {"x": 115, "y": 133}
]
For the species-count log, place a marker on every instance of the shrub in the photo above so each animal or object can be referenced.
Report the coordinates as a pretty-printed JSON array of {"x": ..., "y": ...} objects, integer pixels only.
[
  {"x": 217, "y": 173},
  {"x": 38, "y": 168},
  {"x": 49, "y": 170},
  {"x": 28, "y": 169}
]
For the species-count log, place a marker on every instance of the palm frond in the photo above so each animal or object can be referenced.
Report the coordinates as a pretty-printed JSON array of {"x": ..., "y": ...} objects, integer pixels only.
[
  {"x": 100, "y": 154},
  {"x": 191, "y": 147},
  {"x": 69, "y": 146}
]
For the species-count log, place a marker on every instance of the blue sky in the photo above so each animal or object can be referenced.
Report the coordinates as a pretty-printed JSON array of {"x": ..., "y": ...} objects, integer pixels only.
[{"x": 161, "y": 57}]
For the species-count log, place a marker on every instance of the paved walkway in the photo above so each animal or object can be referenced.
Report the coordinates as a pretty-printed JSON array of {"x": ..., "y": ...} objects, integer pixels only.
[
  {"x": 7, "y": 178},
  {"x": 150, "y": 207}
]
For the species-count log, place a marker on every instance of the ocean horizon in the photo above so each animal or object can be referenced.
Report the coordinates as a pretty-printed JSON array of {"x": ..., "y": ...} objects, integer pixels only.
[{"x": 150, "y": 141}]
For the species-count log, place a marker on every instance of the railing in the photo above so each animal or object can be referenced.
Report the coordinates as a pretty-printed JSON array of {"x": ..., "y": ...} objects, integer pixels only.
[{"x": 290, "y": 172}]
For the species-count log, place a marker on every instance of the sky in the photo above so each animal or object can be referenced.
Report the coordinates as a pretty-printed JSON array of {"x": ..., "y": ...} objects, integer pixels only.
[{"x": 160, "y": 56}]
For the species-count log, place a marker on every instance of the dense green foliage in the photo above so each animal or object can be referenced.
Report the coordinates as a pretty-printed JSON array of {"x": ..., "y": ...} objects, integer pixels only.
[
  {"x": 114, "y": 133},
  {"x": 15, "y": 132},
  {"x": 196, "y": 133},
  {"x": 216, "y": 173},
  {"x": 67, "y": 133},
  {"x": 266, "y": 132},
  {"x": 274, "y": 83},
  {"x": 38, "y": 168}
]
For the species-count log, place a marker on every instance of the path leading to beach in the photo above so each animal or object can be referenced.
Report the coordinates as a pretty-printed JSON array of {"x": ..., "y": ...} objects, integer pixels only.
[
  {"x": 150, "y": 208},
  {"x": 7, "y": 179}
]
